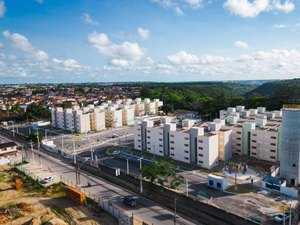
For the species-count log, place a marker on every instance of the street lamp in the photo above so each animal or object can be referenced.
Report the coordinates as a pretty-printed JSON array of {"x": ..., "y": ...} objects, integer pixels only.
[
  {"x": 78, "y": 172},
  {"x": 175, "y": 204},
  {"x": 141, "y": 181}
]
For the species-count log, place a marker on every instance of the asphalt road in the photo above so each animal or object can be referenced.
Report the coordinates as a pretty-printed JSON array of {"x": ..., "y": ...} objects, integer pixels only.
[{"x": 147, "y": 210}]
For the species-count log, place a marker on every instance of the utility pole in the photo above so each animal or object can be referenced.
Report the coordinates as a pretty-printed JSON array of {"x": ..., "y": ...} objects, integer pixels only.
[
  {"x": 127, "y": 165},
  {"x": 290, "y": 217},
  {"x": 74, "y": 152},
  {"x": 175, "y": 204},
  {"x": 62, "y": 143},
  {"x": 283, "y": 216},
  {"x": 141, "y": 181},
  {"x": 235, "y": 178},
  {"x": 32, "y": 152},
  {"x": 187, "y": 187}
]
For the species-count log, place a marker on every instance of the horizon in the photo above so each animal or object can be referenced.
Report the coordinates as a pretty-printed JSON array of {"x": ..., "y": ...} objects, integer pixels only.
[
  {"x": 152, "y": 82},
  {"x": 44, "y": 41}
]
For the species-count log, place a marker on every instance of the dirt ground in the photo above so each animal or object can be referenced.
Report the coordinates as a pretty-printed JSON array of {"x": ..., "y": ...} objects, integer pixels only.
[{"x": 35, "y": 205}]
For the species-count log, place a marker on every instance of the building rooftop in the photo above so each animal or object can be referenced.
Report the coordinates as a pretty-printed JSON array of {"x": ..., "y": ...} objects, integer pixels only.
[{"x": 7, "y": 144}]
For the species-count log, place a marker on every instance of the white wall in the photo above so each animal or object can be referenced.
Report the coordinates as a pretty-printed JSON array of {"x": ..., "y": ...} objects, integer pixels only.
[{"x": 180, "y": 146}]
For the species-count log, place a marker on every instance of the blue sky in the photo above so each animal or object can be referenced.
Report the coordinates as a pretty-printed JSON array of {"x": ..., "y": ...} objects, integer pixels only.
[{"x": 148, "y": 40}]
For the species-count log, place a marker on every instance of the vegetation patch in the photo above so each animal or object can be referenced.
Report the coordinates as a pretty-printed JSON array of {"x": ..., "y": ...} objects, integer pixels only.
[{"x": 239, "y": 190}]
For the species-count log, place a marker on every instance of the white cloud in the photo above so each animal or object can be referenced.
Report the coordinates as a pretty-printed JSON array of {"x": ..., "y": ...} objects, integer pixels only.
[
  {"x": 177, "y": 5},
  {"x": 144, "y": 33},
  {"x": 98, "y": 39},
  {"x": 183, "y": 57},
  {"x": 2, "y": 8},
  {"x": 40, "y": 1},
  {"x": 251, "y": 9},
  {"x": 241, "y": 44},
  {"x": 286, "y": 7},
  {"x": 178, "y": 11},
  {"x": 88, "y": 19},
  {"x": 1, "y": 45},
  {"x": 21, "y": 42},
  {"x": 124, "y": 54},
  {"x": 69, "y": 64},
  {"x": 193, "y": 3},
  {"x": 280, "y": 26}
]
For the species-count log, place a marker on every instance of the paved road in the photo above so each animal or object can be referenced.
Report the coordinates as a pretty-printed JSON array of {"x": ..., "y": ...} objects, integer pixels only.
[{"x": 146, "y": 209}]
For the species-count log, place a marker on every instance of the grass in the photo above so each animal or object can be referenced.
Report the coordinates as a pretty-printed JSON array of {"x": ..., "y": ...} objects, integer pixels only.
[
  {"x": 240, "y": 190},
  {"x": 111, "y": 150},
  {"x": 56, "y": 190},
  {"x": 2, "y": 177}
]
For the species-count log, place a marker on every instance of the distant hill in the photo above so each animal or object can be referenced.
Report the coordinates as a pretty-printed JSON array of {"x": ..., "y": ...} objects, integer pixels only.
[{"x": 270, "y": 88}]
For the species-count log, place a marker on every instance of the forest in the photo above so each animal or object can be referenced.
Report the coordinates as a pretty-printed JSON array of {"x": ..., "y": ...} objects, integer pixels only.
[{"x": 207, "y": 98}]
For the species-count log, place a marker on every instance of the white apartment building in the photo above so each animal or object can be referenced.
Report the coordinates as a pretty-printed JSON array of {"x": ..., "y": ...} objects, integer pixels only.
[
  {"x": 108, "y": 114},
  {"x": 187, "y": 141},
  {"x": 254, "y": 132},
  {"x": 78, "y": 120}
]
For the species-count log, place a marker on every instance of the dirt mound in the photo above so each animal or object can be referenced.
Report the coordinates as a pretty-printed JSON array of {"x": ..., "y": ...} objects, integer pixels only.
[{"x": 56, "y": 222}]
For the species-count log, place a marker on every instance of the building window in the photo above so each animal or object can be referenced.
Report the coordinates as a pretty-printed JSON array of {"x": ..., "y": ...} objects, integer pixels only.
[
  {"x": 160, "y": 133},
  {"x": 254, "y": 135},
  {"x": 238, "y": 139},
  {"x": 200, "y": 148},
  {"x": 200, "y": 141},
  {"x": 172, "y": 135},
  {"x": 148, "y": 131},
  {"x": 139, "y": 146},
  {"x": 273, "y": 137},
  {"x": 273, "y": 144},
  {"x": 160, "y": 151},
  {"x": 238, "y": 144},
  {"x": 211, "y": 183},
  {"x": 172, "y": 154},
  {"x": 186, "y": 151},
  {"x": 148, "y": 137},
  {"x": 238, "y": 150},
  {"x": 160, "y": 139},
  {"x": 272, "y": 157},
  {"x": 200, "y": 162},
  {"x": 253, "y": 153},
  {"x": 148, "y": 148},
  {"x": 186, "y": 145},
  {"x": 238, "y": 132},
  {"x": 201, "y": 155},
  {"x": 186, "y": 158},
  {"x": 148, "y": 143},
  {"x": 186, "y": 138},
  {"x": 139, "y": 140},
  {"x": 272, "y": 150},
  {"x": 254, "y": 141},
  {"x": 172, "y": 148},
  {"x": 139, "y": 135},
  {"x": 172, "y": 142},
  {"x": 160, "y": 145},
  {"x": 294, "y": 165}
]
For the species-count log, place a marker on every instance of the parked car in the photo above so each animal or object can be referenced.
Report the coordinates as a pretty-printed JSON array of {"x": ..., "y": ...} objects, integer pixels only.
[
  {"x": 47, "y": 180},
  {"x": 279, "y": 218},
  {"x": 130, "y": 201},
  {"x": 114, "y": 136}
]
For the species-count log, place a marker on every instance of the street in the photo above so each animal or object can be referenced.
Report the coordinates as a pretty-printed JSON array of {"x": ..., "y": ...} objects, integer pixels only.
[{"x": 146, "y": 210}]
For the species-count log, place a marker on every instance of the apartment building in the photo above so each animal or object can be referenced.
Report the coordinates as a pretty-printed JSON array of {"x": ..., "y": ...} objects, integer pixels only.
[
  {"x": 188, "y": 141},
  {"x": 109, "y": 114},
  {"x": 255, "y": 132},
  {"x": 78, "y": 120}
]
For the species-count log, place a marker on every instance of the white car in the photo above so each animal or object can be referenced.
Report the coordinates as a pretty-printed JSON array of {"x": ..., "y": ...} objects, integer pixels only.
[
  {"x": 47, "y": 180},
  {"x": 279, "y": 218}
]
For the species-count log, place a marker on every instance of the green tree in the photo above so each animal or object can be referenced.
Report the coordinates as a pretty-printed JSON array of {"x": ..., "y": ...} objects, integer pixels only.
[
  {"x": 162, "y": 172},
  {"x": 67, "y": 105},
  {"x": 37, "y": 111},
  {"x": 35, "y": 137}
]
